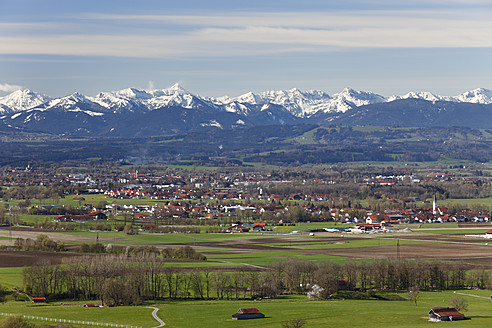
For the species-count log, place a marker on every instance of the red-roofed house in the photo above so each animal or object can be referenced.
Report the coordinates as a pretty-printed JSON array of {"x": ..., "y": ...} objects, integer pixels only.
[
  {"x": 442, "y": 313},
  {"x": 251, "y": 313}
]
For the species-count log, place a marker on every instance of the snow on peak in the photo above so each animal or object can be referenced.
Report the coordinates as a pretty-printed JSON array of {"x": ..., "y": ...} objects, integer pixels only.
[
  {"x": 478, "y": 96},
  {"x": 129, "y": 93},
  {"x": 250, "y": 98},
  {"x": 176, "y": 87},
  {"x": 349, "y": 98},
  {"x": 429, "y": 96},
  {"x": 299, "y": 103},
  {"x": 25, "y": 99}
]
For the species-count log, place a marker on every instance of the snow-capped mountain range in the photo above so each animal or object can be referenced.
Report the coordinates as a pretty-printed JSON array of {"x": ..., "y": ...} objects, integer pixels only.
[
  {"x": 302, "y": 104},
  {"x": 133, "y": 112}
]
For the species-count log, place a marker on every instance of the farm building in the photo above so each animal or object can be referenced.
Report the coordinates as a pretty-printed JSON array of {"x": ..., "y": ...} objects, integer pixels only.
[
  {"x": 39, "y": 299},
  {"x": 251, "y": 313},
  {"x": 238, "y": 228},
  {"x": 443, "y": 313}
]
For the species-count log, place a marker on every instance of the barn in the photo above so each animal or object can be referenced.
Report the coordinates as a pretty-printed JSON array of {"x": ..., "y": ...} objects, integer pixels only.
[
  {"x": 442, "y": 313},
  {"x": 251, "y": 313}
]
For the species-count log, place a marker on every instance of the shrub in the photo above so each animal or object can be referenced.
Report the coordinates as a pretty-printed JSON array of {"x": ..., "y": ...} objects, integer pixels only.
[{"x": 16, "y": 321}]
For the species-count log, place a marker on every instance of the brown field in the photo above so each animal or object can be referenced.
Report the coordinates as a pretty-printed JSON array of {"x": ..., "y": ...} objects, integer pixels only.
[
  {"x": 24, "y": 258},
  {"x": 58, "y": 236},
  {"x": 472, "y": 251}
]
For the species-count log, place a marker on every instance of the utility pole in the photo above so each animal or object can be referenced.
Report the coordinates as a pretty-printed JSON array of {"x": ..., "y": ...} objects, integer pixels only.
[
  {"x": 398, "y": 249},
  {"x": 10, "y": 227}
]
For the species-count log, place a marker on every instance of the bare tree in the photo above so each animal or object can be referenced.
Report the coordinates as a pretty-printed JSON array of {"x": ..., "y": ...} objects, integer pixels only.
[
  {"x": 459, "y": 303},
  {"x": 413, "y": 294},
  {"x": 294, "y": 323}
]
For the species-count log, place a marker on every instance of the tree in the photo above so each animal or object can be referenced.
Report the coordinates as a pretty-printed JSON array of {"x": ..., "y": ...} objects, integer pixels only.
[
  {"x": 3, "y": 293},
  {"x": 293, "y": 323},
  {"x": 413, "y": 294},
  {"x": 129, "y": 230},
  {"x": 459, "y": 303}
]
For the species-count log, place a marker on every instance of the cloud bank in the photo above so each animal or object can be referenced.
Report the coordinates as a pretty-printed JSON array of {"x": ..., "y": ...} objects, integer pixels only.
[{"x": 246, "y": 34}]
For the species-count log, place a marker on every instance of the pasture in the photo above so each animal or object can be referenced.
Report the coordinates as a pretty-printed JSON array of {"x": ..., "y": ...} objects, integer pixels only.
[
  {"x": 217, "y": 314},
  {"x": 254, "y": 252}
]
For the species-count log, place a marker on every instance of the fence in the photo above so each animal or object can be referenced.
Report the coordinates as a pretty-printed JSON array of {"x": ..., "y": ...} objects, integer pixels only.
[{"x": 78, "y": 322}]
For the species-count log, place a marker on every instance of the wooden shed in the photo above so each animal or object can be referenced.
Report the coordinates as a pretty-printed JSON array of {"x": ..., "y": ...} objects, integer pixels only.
[
  {"x": 442, "y": 313},
  {"x": 251, "y": 313}
]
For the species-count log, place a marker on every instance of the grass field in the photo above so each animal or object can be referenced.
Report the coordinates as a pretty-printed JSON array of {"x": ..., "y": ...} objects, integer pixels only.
[
  {"x": 136, "y": 316},
  {"x": 470, "y": 202},
  {"x": 228, "y": 252},
  {"x": 332, "y": 313},
  {"x": 11, "y": 277}
]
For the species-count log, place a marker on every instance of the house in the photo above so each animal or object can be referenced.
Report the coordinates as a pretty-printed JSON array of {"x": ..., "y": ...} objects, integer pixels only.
[
  {"x": 94, "y": 216},
  {"x": 238, "y": 228},
  {"x": 443, "y": 313},
  {"x": 251, "y": 313},
  {"x": 259, "y": 226}
]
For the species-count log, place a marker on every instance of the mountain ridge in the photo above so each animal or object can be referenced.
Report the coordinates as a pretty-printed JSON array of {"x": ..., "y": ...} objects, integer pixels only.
[
  {"x": 303, "y": 104},
  {"x": 130, "y": 112}
]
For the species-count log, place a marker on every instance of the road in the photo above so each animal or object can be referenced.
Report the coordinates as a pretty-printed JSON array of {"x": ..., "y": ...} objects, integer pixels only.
[{"x": 154, "y": 314}]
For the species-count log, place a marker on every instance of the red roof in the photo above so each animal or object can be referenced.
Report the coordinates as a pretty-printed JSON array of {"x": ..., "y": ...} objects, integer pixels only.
[
  {"x": 442, "y": 311},
  {"x": 249, "y": 310}
]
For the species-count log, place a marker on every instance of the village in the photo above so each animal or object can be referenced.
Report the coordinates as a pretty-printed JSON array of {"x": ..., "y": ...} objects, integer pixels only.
[
  {"x": 231, "y": 230},
  {"x": 247, "y": 201}
]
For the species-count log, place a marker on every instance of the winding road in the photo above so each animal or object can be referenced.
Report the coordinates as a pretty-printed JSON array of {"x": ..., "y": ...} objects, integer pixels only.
[{"x": 154, "y": 314}]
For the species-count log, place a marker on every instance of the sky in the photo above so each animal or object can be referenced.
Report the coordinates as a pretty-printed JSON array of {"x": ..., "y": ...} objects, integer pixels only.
[{"x": 218, "y": 47}]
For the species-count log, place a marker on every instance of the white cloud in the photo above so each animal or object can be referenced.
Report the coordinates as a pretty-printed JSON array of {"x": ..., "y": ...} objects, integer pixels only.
[
  {"x": 233, "y": 34},
  {"x": 5, "y": 87}
]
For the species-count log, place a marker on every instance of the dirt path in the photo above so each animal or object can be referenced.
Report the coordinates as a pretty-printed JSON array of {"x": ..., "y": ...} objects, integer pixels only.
[
  {"x": 154, "y": 314},
  {"x": 487, "y": 298}
]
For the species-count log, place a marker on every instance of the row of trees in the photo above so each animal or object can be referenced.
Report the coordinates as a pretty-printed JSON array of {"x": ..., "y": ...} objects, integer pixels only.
[
  {"x": 185, "y": 252},
  {"x": 130, "y": 280},
  {"x": 41, "y": 243}
]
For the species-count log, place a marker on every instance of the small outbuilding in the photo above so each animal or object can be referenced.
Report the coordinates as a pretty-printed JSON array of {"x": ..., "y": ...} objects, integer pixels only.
[
  {"x": 39, "y": 299},
  {"x": 251, "y": 313},
  {"x": 443, "y": 313}
]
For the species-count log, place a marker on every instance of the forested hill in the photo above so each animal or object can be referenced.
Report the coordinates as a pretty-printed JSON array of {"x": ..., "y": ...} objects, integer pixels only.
[
  {"x": 418, "y": 113},
  {"x": 282, "y": 145}
]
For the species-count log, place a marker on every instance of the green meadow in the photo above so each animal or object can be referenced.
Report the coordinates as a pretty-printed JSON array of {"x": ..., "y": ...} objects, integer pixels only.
[
  {"x": 331, "y": 313},
  {"x": 11, "y": 277}
]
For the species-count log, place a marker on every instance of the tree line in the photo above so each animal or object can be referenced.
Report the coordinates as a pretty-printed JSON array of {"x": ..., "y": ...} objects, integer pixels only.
[{"x": 125, "y": 280}]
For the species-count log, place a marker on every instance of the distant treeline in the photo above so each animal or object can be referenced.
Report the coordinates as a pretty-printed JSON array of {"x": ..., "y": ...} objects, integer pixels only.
[
  {"x": 276, "y": 145},
  {"x": 122, "y": 279}
]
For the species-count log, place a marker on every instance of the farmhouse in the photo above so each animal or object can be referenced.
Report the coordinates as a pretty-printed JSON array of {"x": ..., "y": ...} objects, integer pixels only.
[
  {"x": 442, "y": 313},
  {"x": 94, "y": 216},
  {"x": 251, "y": 313}
]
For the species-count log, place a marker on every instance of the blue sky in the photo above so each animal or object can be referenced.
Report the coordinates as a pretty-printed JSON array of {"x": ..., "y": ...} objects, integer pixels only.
[{"x": 215, "y": 48}]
